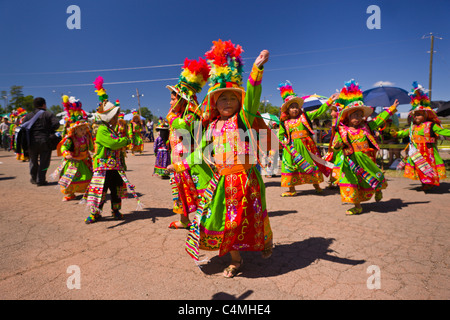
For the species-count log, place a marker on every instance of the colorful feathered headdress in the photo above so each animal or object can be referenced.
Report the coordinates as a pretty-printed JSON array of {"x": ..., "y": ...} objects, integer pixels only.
[
  {"x": 106, "y": 110},
  {"x": 74, "y": 110},
  {"x": 101, "y": 92},
  {"x": 349, "y": 93},
  {"x": 419, "y": 98},
  {"x": 420, "y": 101},
  {"x": 21, "y": 112},
  {"x": 226, "y": 65},
  {"x": 75, "y": 115},
  {"x": 351, "y": 99},
  {"x": 192, "y": 79},
  {"x": 18, "y": 113},
  {"x": 288, "y": 95}
]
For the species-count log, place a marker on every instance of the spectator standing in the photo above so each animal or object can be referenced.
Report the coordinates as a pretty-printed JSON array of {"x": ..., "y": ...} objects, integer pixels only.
[
  {"x": 39, "y": 147},
  {"x": 4, "y": 128}
]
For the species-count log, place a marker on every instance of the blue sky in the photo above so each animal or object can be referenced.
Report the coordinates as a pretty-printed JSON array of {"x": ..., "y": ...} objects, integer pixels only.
[{"x": 317, "y": 45}]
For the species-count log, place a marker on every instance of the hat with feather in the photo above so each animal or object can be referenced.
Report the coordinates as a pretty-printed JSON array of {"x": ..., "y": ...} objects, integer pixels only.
[
  {"x": 351, "y": 100},
  {"x": 75, "y": 115},
  {"x": 191, "y": 81},
  {"x": 420, "y": 101},
  {"x": 106, "y": 110},
  {"x": 227, "y": 67},
  {"x": 288, "y": 95}
]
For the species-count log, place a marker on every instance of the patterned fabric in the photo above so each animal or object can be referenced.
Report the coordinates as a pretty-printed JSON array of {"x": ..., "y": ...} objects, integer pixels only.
[
  {"x": 236, "y": 216},
  {"x": 108, "y": 157},
  {"x": 134, "y": 132},
  {"x": 425, "y": 164},
  {"x": 298, "y": 167},
  {"x": 75, "y": 175},
  {"x": 162, "y": 152},
  {"x": 359, "y": 177}
]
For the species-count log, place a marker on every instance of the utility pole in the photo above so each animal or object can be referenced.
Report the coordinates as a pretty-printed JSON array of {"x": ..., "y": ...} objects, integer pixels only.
[
  {"x": 432, "y": 36},
  {"x": 139, "y": 101}
]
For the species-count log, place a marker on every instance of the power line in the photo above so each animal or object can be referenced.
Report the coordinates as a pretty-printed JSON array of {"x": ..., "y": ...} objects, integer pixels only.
[
  {"x": 90, "y": 84},
  {"x": 178, "y": 64},
  {"x": 88, "y": 71},
  {"x": 170, "y": 79}
]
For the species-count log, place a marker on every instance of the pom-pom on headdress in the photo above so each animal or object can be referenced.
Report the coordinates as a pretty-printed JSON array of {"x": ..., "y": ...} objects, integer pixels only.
[
  {"x": 106, "y": 110},
  {"x": 288, "y": 95},
  {"x": 421, "y": 102},
  {"x": 101, "y": 92},
  {"x": 351, "y": 99},
  {"x": 75, "y": 115},
  {"x": 74, "y": 110}
]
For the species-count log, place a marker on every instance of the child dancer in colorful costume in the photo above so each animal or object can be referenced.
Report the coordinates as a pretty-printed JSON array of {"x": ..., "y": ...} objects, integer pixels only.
[
  {"x": 333, "y": 156},
  {"x": 296, "y": 130},
  {"x": 359, "y": 178},
  {"x": 21, "y": 152},
  {"x": 108, "y": 161},
  {"x": 184, "y": 113},
  {"x": 75, "y": 171},
  {"x": 424, "y": 162},
  {"x": 135, "y": 133},
  {"x": 235, "y": 217},
  {"x": 161, "y": 149},
  {"x": 122, "y": 132}
]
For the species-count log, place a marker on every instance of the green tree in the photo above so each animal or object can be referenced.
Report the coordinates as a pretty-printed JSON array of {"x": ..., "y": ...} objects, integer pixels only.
[
  {"x": 146, "y": 113},
  {"x": 4, "y": 98},
  {"x": 269, "y": 108},
  {"x": 19, "y": 100},
  {"x": 55, "y": 109},
  {"x": 16, "y": 95}
]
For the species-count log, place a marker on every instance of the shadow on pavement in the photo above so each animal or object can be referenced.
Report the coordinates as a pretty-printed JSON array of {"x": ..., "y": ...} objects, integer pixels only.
[
  {"x": 442, "y": 188},
  {"x": 146, "y": 213},
  {"x": 227, "y": 296},
  {"x": 285, "y": 258},
  {"x": 388, "y": 206}
]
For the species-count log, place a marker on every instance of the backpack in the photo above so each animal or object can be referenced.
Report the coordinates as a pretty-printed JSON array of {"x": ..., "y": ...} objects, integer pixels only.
[{"x": 23, "y": 131}]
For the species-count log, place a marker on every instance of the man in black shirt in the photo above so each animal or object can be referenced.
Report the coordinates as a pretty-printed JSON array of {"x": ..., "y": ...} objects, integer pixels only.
[{"x": 39, "y": 149}]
